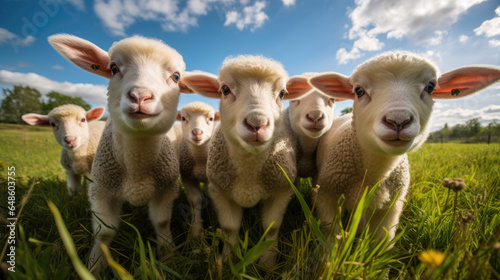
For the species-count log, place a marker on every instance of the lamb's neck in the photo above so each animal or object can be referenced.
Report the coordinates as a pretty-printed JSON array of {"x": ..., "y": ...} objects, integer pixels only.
[
  {"x": 377, "y": 165},
  {"x": 245, "y": 159},
  {"x": 308, "y": 145},
  {"x": 198, "y": 152},
  {"x": 138, "y": 150}
]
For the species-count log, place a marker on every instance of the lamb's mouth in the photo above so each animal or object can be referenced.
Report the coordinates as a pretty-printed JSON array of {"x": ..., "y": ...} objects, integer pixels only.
[
  {"x": 141, "y": 115},
  {"x": 396, "y": 142}
]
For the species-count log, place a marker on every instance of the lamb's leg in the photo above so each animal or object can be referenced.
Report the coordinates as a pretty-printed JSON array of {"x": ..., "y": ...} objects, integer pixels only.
[
  {"x": 326, "y": 208},
  {"x": 272, "y": 211},
  {"x": 195, "y": 199},
  {"x": 105, "y": 221},
  {"x": 160, "y": 214},
  {"x": 73, "y": 181},
  {"x": 229, "y": 214},
  {"x": 390, "y": 222}
]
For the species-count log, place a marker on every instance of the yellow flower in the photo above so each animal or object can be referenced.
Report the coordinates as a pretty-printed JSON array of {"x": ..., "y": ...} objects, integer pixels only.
[{"x": 432, "y": 257}]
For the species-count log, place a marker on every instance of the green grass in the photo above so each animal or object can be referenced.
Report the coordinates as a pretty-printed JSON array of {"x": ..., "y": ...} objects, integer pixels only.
[{"x": 464, "y": 226}]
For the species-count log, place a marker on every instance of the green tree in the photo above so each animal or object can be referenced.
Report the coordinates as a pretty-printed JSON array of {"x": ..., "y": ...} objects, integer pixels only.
[
  {"x": 19, "y": 101},
  {"x": 56, "y": 99},
  {"x": 473, "y": 126},
  {"x": 346, "y": 111}
]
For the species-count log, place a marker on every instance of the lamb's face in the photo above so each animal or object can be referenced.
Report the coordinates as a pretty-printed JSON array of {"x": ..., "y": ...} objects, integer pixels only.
[
  {"x": 312, "y": 115},
  {"x": 197, "y": 125},
  {"x": 70, "y": 128},
  {"x": 143, "y": 93},
  {"x": 393, "y": 104},
  {"x": 251, "y": 110}
]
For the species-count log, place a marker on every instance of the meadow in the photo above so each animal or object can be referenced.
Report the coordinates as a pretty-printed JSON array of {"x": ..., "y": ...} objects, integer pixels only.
[{"x": 442, "y": 234}]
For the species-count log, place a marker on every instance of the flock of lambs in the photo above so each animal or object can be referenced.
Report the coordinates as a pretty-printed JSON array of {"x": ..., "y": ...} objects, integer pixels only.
[{"x": 139, "y": 153}]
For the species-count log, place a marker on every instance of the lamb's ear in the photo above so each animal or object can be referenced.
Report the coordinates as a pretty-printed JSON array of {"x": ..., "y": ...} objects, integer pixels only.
[
  {"x": 216, "y": 116},
  {"x": 465, "y": 81},
  {"x": 36, "y": 119},
  {"x": 178, "y": 117},
  {"x": 82, "y": 53},
  {"x": 95, "y": 113},
  {"x": 333, "y": 84},
  {"x": 297, "y": 86},
  {"x": 205, "y": 84}
]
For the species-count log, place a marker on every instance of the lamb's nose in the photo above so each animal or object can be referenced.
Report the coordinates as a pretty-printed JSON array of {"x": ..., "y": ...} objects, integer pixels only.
[
  {"x": 397, "y": 124},
  {"x": 197, "y": 132},
  {"x": 256, "y": 125},
  {"x": 315, "y": 116},
  {"x": 139, "y": 96},
  {"x": 69, "y": 139}
]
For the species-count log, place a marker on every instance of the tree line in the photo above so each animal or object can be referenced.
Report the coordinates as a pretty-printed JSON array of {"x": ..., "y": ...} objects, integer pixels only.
[
  {"x": 470, "y": 132},
  {"x": 23, "y": 100}
]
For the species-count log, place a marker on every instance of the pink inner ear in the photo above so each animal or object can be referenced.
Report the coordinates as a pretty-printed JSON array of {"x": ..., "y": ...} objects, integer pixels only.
[
  {"x": 178, "y": 117},
  {"x": 82, "y": 53},
  {"x": 334, "y": 85},
  {"x": 36, "y": 119},
  {"x": 204, "y": 84},
  {"x": 297, "y": 85},
  {"x": 217, "y": 116},
  {"x": 95, "y": 114},
  {"x": 465, "y": 81}
]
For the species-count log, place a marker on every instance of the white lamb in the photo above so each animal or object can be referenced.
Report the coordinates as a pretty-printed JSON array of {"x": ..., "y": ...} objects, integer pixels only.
[
  {"x": 310, "y": 118},
  {"x": 393, "y": 99},
  {"x": 135, "y": 161},
  {"x": 249, "y": 143},
  {"x": 78, "y": 132},
  {"x": 197, "y": 120}
]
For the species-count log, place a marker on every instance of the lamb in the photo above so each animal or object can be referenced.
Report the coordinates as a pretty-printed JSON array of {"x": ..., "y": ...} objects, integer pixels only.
[
  {"x": 135, "y": 161},
  {"x": 310, "y": 118},
  {"x": 78, "y": 132},
  {"x": 393, "y": 100},
  {"x": 249, "y": 143},
  {"x": 197, "y": 120}
]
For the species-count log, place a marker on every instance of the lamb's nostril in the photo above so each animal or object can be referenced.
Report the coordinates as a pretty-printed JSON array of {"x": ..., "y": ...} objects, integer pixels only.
[
  {"x": 256, "y": 126},
  {"x": 397, "y": 125},
  {"x": 69, "y": 139},
  {"x": 314, "y": 118},
  {"x": 133, "y": 97},
  {"x": 197, "y": 132}
]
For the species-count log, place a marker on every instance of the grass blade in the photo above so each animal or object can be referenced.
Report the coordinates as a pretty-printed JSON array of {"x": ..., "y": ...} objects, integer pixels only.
[{"x": 81, "y": 269}]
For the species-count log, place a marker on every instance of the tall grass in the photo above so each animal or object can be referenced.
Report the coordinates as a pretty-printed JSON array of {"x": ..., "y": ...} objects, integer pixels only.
[{"x": 462, "y": 228}]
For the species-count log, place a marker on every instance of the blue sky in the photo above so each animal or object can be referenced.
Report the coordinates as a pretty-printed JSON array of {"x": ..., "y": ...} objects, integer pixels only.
[{"x": 306, "y": 36}]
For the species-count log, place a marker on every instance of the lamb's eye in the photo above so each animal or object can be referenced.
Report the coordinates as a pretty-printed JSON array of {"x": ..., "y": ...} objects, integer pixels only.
[
  {"x": 282, "y": 93},
  {"x": 176, "y": 76},
  {"x": 225, "y": 90},
  {"x": 183, "y": 119},
  {"x": 53, "y": 124},
  {"x": 429, "y": 88},
  {"x": 114, "y": 69},
  {"x": 83, "y": 120},
  {"x": 211, "y": 119},
  {"x": 359, "y": 92}
]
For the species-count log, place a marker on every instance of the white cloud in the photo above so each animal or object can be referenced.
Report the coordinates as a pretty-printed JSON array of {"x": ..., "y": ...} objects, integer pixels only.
[
  {"x": 57, "y": 67},
  {"x": 494, "y": 43},
  {"x": 251, "y": 16},
  {"x": 420, "y": 21},
  {"x": 463, "y": 38},
  {"x": 490, "y": 28},
  {"x": 89, "y": 92},
  {"x": 7, "y": 37},
  {"x": 173, "y": 15},
  {"x": 287, "y": 3}
]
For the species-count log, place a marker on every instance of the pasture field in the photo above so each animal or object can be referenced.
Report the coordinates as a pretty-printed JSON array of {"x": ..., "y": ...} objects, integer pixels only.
[{"x": 442, "y": 234}]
